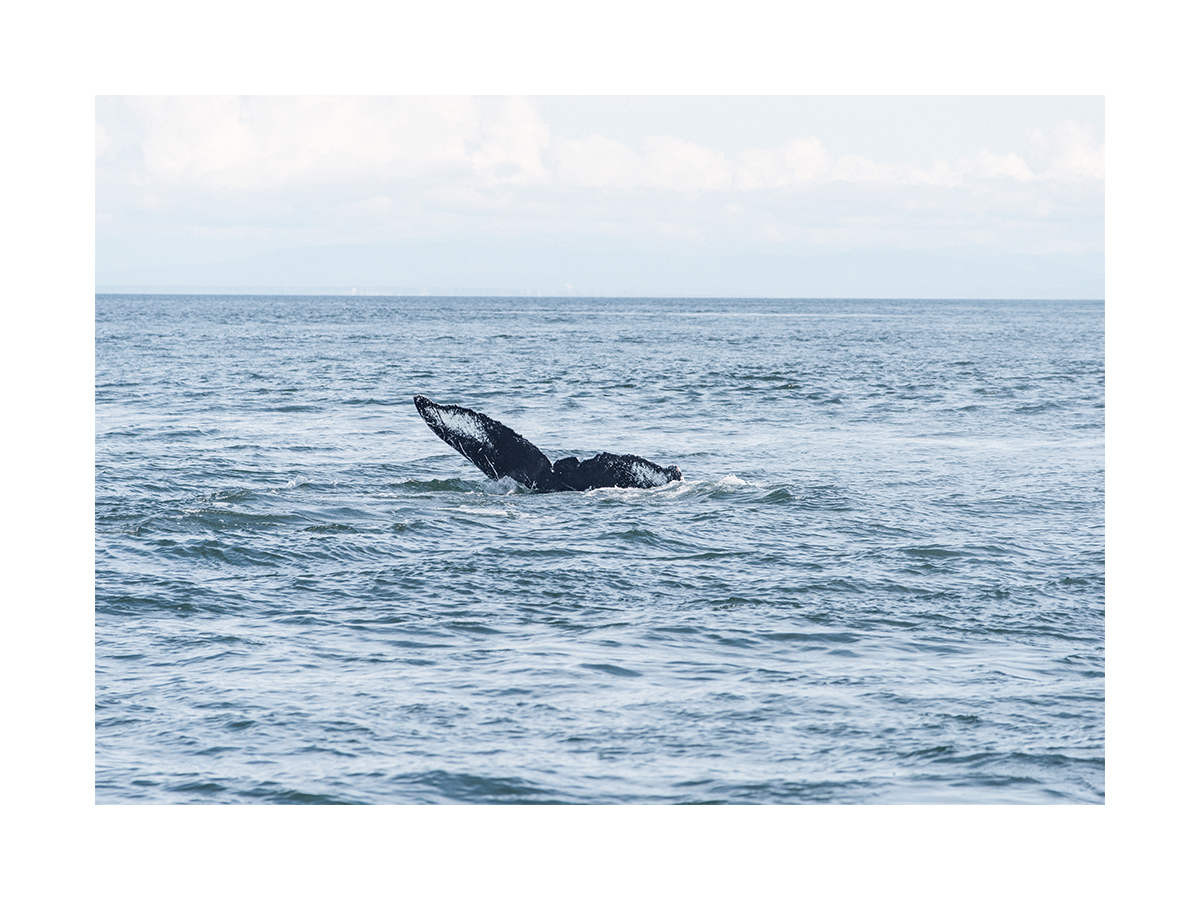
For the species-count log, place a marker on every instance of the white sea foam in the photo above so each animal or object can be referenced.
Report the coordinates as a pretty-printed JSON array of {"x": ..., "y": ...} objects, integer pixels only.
[
  {"x": 485, "y": 511},
  {"x": 503, "y": 485}
]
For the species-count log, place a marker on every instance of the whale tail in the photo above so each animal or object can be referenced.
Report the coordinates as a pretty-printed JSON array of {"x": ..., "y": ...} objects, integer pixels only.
[
  {"x": 498, "y": 451},
  {"x": 494, "y": 448}
]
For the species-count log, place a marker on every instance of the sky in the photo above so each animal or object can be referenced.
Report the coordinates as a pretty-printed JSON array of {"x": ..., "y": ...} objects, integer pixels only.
[{"x": 770, "y": 196}]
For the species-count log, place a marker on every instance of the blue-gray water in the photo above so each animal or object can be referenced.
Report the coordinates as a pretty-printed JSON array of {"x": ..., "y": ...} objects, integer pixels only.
[{"x": 880, "y": 581}]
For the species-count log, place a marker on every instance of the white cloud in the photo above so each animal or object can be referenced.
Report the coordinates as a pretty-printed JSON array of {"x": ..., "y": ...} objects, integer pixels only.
[
  {"x": 674, "y": 164},
  {"x": 801, "y": 161},
  {"x": 1076, "y": 154},
  {"x": 202, "y": 139},
  {"x": 940, "y": 174},
  {"x": 512, "y": 142},
  {"x": 854, "y": 168},
  {"x": 667, "y": 164},
  {"x": 253, "y": 144},
  {"x": 991, "y": 165},
  {"x": 387, "y": 169},
  {"x": 596, "y": 162}
]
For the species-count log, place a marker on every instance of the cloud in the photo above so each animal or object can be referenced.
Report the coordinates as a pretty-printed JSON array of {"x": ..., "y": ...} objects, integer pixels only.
[
  {"x": 801, "y": 161},
  {"x": 258, "y": 144},
  {"x": 205, "y": 139},
  {"x": 678, "y": 165},
  {"x": 251, "y": 144},
  {"x": 991, "y": 165},
  {"x": 1077, "y": 155},
  {"x": 596, "y": 162},
  {"x": 855, "y": 168},
  {"x": 667, "y": 164},
  {"x": 672, "y": 164},
  {"x": 512, "y": 141},
  {"x": 257, "y": 174}
]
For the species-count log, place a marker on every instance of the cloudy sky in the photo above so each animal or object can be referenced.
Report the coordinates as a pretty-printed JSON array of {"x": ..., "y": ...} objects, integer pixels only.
[{"x": 652, "y": 196}]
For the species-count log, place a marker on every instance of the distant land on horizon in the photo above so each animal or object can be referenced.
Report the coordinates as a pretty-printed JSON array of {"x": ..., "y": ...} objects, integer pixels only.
[{"x": 433, "y": 268}]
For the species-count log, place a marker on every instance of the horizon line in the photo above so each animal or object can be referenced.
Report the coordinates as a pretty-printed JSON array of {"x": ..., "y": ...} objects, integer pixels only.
[{"x": 444, "y": 293}]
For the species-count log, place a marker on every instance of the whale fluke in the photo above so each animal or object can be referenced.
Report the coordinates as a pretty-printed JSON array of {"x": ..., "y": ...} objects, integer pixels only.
[
  {"x": 500, "y": 452},
  {"x": 496, "y": 449}
]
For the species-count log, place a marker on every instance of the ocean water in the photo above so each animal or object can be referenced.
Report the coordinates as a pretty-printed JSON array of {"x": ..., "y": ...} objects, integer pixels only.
[{"x": 881, "y": 579}]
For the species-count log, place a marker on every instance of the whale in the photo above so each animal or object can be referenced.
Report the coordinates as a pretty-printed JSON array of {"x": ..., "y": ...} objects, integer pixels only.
[{"x": 499, "y": 452}]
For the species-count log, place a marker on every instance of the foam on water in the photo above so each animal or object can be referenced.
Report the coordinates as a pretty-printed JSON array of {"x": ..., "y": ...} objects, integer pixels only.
[
  {"x": 503, "y": 485},
  {"x": 732, "y": 481}
]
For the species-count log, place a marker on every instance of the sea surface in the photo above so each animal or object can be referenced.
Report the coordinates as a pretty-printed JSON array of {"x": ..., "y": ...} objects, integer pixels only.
[{"x": 881, "y": 579}]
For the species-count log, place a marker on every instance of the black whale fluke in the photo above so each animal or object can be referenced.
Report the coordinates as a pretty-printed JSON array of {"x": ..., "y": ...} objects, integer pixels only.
[
  {"x": 499, "y": 451},
  {"x": 495, "y": 448}
]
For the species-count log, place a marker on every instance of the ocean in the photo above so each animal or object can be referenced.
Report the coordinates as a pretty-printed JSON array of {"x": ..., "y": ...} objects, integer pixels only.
[{"x": 880, "y": 581}]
